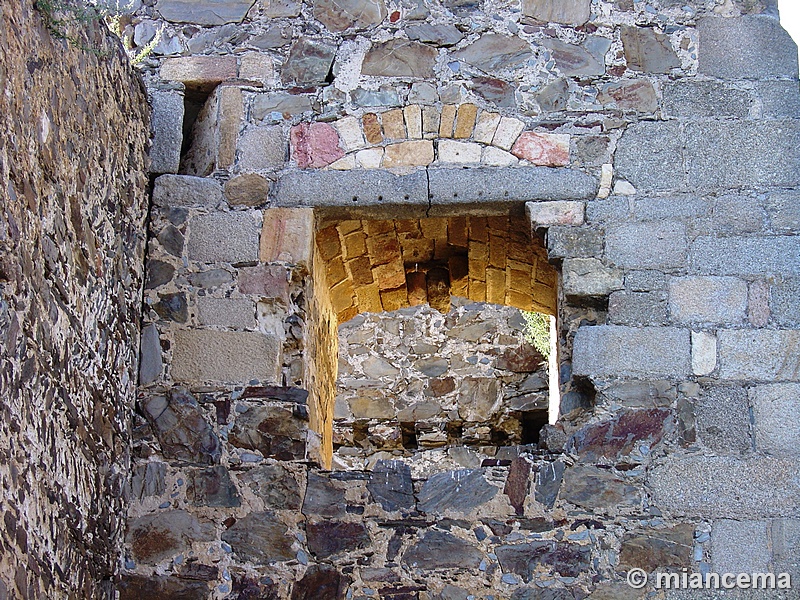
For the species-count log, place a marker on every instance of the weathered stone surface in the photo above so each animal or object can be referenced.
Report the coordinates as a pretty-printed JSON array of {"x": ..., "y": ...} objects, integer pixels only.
[
  {"x": 214, "y": 12},
  {"x": 166, "y": 123},
  {"x": 753, "y": 47},
  {"x": 711, "y": 487},
  {"x": 274, "y": 485},
  {"x": 544, "y": 149},
  {"x": 414, "y": 153},
  {"x": 621, "y": 435},
  {"x": 321, "y": 581},
  {"x": 637, "y": 308},
  {"x": 650, "y": 156},
  {"x": 269, "y": 281},
  {"x": 199, "y": 72},
  {"x": 704, "y": 99},
  {"x": 778, "y": 358},
  {"x": 643, "y": 352},
  {"x": 740, "y": 546},
  {"x": 477, "y": 398},
  {"x": 156, "y": 537},
  {"x": 569, "y": 12},
  {"x": 654, "y": 245},
  {"x": 339, "y": 15},
  {"x": 716, "y": 300},
  {"x": 517, "y": 482},
  {"x": 260, "y": 537},
  {"x": 704, "y": 353},
  {"x": 548, "y": 481},
  {"x": 210, "y": 279},
  {"x": 148, "y": 480},
  {"x": 314, "y": 145},
  {"x": 172, "y": 307},
  {"x": 212, "y": 487},
  {"x": 773, "y": 407},
  {"x": 280, "y": 105},
  {"x": 739, "y": 153},
  {"x": 457, "y": 491},
  {"x": 592, "y": 488},
  {"x": 224, "y": 237},
  {"x": 309, "y": 62},
  {"x": 560, "y": 212},
  {"x": 323, "y": 497},
  {"x": 399, "y": 58},
  {"x": 151, "y": 363},
  {"x": 262, "y": 149},
  {"x": 590, "y": 277},
  {"x": 271, "y": 430},
  {"x": 336, "y": 188},
  {"x": 779, "y": 99},
  {"x": 185, "y": 190},
  {"x": 459, "y": 186},
  {"x": 648, "y": 50},
  {"x": 499, "y": 92},
  {"x": 658, "y": 549},
  {"x": 745, "y": 255},
  {"x": 637, "y": 95},
  {"x": 326, "y": 538},
  {"x": 438, "y": 35},
  {"x": 574, "y": 61},
  {"x": 442, "y": 550},
  {"x": 171, "y": 239},
  {"x": 390, "y": 484},
  {"x": 523, "y": 359},
  {"x": 493, "y": 52},
  {"x": 248, "y": 189},
  {"x": 564, "y": 558},
  {"x": 160, "y": 587},
  {"x": 572, "y": 242},
  {"x": 204, "y": 355},
  {"x": 723, "y": 420},
  {"x": 182, "y": 431},
  {"x": 784, "y": 302}
]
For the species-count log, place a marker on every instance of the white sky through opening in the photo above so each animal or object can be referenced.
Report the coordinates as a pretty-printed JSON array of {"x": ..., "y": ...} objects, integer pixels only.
[{"x": 790, "y": 17}]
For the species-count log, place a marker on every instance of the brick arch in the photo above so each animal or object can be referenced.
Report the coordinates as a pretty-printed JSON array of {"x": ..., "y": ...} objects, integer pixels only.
[
  {"x": 418, "y": 136},
  {"x": 385, "y": 265}
]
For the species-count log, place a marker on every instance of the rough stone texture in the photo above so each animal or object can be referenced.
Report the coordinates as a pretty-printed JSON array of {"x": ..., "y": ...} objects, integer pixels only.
[
  {"x": 740, "y": 546},
  {"x": 769, "y": 51},
  {"x": 73, "y": 201},
  {"x": 777, "y": 352},
  {"x": 163, "y": 535},
  {"x": 648, "y": 50},
  {"x": 457, "y": 491},
  {"x": 272, "y": 431},
  {"x": 571, "y": 12},
  {"x": 224, "y": 237},
  {"x": 334, "y": 188},
  {"x": 773, "y": 407},
  {"x": 260, "y": 537},
  {"x": 442, "y": 550},
  {"x": 593, "y": 488},
  {"x": 237, "y": 357},
  {"x": 218, "y": 12},
  {"x": 522, "y": 559},
  {"x": 723, "y": 420},
  {"x": 661, "y": 549},
  {"x": 494, "y": 52},
  {"x": 186, "y": 190},
  {"x": 167, "y": 127},
  {"x": 532, "y": 183},
  {"x": 644, "y": 352},
  {"x": 399, "y": 58},
  {"x": 745, "y": 255},
  {"x": 309, "y": 62},
  {"x": 656, "y": 245},
  {"x": 710, "y": 487},
  {"x": 717, "y": 300},
  {"x": 340, "y": 15}
]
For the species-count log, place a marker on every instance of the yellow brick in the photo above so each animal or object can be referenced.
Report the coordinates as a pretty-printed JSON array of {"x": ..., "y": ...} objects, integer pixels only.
[
  {"x": 416, "y": 153},
  {"x": 465, "y": 121},
  {"x": 459, "y": 276},
  {"x": 413, "y": 117},
  {"x": 336, "y": 271},
  {"x": 418, "y": 250},
  {"x": 346, "y": 227},
  {"x": 447, "y": 121},
  {"x": 495, "y": 286},
  {"x": 457, "y": 231},
  {"x": 519, "y": 300},
  {"x": 394, "y": 299},
  {"x": 355, "y": 245},
  {"x": 497, "y": 251},
  {"x": 477, "y": 290},
  {"x": 378, "y": 227},
  {"x": 519, "y": 281},
  {"x": 369, "y": 298},
  {"x": 435, "y": 228},
  {"x": 342, "y": 296},
  {"x": 393, "y": 126},
  {"x": 389, "y": 276},
  {"x": 478, "y": 230}
]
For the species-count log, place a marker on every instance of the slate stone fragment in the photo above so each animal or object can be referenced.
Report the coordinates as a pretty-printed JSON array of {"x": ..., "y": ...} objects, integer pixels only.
[
  {"x": 567, "y": 559},
  {"x": 548, "y": 482},
  {"x": 331, "y": 537},
  {"x": 212, "y": 487},
  {"x": 323, "y": 497},
  {"x": 160, "y": 587},
  {"x": 399, "y": 58},
  {"x": 457, "y": 491},
  {"x": 159, "y": 536},
  {"x": 272, "y": 430},
  {"x": 390, "y": 484},
  {"x": 442, "y": 550},
  {"x": 516, "y": 487},
  {"x": 260, "y": 537},
  {"x": 658, "y": 549},
  {"x": 181, "y": 429},
  {"x": 321, "y": 581}
]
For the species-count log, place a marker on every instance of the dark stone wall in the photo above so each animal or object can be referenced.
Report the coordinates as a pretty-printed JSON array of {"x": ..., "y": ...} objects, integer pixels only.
[{"x": 75, "y": 128}]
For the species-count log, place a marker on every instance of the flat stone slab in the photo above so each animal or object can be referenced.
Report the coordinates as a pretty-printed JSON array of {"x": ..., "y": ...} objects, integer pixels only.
[
  {"x": 351, "y": 189},
  {"x": 209, "y": 12},
  {"x": 509, "y": 184},
  {"x": 639, "y": 352},
  {"x": 726, "y": 487}
]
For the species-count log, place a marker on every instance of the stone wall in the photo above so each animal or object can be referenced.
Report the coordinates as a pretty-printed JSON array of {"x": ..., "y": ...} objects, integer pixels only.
[
  {"x": 653, "y": 146},
  {"x": 73, "y": 204}
]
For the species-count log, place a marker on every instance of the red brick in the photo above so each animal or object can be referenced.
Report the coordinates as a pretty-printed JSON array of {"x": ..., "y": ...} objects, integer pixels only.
[
  {"x": 271, "y": 281},
  {"x": 314, "y": 145},
  {"x": 544, "y": 149}
]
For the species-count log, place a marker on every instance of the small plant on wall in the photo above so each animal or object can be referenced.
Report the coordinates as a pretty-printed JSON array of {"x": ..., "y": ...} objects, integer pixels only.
[
  {"x": 537, "y": 331},
  {"x": 62, "y": 16}
]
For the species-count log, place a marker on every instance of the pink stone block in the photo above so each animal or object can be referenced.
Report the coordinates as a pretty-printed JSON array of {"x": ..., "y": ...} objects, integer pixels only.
[
  {"x": 544, "y": 149},
  {"x": 314, "y": 145}
]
